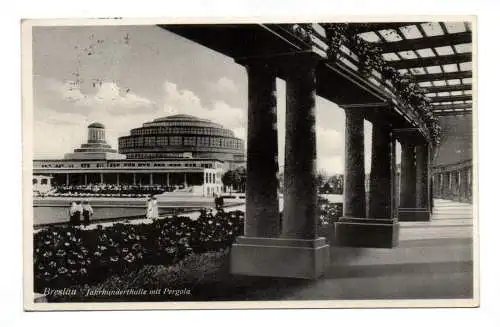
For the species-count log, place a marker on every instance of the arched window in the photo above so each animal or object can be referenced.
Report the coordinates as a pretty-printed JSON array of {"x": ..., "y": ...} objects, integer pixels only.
[
  {"x": 35, "y": 181},
  {"x": 44, "y": 181}
]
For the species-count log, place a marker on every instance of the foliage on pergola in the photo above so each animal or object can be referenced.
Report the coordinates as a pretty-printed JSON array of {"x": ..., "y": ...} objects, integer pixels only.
[{"x": 437, "y": 54}]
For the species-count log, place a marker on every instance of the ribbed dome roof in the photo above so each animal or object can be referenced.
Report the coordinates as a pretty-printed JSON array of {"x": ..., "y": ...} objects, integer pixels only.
[
  {"x": 180, "y": 117},
  {"x": 96, "y": 125}
]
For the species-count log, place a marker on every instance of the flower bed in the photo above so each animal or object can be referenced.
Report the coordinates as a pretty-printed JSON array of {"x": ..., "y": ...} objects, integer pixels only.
[
  {"x": 329, "y": 213},
  {"x": 65, "y": 256},
  {"x": 205, "y": 268}
]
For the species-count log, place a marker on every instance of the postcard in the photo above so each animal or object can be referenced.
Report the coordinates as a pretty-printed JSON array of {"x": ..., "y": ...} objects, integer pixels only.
[{"x": 199, "y": 164}]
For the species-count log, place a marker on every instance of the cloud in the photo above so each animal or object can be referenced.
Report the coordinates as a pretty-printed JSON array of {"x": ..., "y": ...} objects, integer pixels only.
[
  {"x": 184, "y": 101},
  {"x": 329, "y": 142},
  {"x": 86, "y": 97},
  {"x": 52, "y": 141},
  {"x": 330, "y": 164},
  {"x": 224, "y": 85}
]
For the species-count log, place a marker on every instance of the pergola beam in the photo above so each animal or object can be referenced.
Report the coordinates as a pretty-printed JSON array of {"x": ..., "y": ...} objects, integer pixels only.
[
  {"x": 372, "y": 27},
  {"x": 448, "y": 88},
  {"x": 442, "y": 76},
  {"x": 432, "y": 61},
  {"x": 426, "y": 42},
  {"x": 451, "y": 98}
]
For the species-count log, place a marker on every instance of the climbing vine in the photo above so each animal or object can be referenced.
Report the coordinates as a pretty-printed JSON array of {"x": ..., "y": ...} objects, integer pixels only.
[{"x": 370, "y": 59}]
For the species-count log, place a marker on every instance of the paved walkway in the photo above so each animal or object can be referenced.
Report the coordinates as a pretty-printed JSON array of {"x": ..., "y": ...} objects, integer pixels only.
[{"x": 433, "y": 261}]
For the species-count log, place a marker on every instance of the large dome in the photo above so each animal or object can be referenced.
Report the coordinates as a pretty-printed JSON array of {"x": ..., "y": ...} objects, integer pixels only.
[{"x": 176, "y": 135}]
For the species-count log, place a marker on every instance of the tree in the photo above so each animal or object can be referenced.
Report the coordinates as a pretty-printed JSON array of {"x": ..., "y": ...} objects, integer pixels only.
[
  {"x": 337, "y": 182},
  {"x": 228, "y": 179},
  {"x": 242, "y": 178},
  {"x": 321, "y": 178},
  {"x": 235, "y": 179}
]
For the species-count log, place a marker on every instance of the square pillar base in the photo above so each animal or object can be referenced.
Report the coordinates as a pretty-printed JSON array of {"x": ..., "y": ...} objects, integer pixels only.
[
  {"x": 367, "y": 233},
  {"x": 414, "y": 214},
  {"x": 280, "y": 257}
]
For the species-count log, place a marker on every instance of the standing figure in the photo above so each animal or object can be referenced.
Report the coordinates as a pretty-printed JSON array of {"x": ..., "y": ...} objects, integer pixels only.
[
  {"x": 219, "y": 202},
  {"x": 75, "y": 212},
  {"x": 149, "y": 208},
  {"x": 72, "y": 211},
  {"x": 87, "y": 213},
  {"x": 154, "y": 208}
]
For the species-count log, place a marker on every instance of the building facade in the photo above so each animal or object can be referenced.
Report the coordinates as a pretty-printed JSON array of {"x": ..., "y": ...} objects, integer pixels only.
[
  {"x": 179, "y": 152},
  {"x": 181, "y": 136}
]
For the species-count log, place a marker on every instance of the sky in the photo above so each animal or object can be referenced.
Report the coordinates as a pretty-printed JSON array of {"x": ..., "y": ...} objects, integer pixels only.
[{"x": 123, "y": 76}]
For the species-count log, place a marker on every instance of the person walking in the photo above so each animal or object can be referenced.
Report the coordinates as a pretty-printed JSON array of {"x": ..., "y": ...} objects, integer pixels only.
[{"x": 87, "y": 213}]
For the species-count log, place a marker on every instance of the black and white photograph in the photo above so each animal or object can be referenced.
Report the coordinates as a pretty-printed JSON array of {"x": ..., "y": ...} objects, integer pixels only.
[{"x": 297, "y": 164}]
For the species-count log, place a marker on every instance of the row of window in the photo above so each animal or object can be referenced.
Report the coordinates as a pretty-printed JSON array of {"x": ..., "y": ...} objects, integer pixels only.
[
  {"x": 57, "y": 166},
  {"x": 182, "y": 130},
  {"x": 133, "y": 164},
  {"x": 152, "y": 141}
]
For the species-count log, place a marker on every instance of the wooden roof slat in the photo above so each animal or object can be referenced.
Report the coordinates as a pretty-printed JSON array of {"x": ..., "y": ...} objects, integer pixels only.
[
  {"x": 448, "y": 88},
  {"x": 452, "y": 113},
  {"x": 442, "y": 76},
  {"x": 432, "y": 61},
  {"x": 452, "y": 106},
  {"x": 451, "y": 98},
  {"x": 426, "y": 42},
  {"x": 372, "y": 27}
]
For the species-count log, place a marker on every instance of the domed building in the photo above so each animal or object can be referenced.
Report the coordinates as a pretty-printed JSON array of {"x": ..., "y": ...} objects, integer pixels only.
[
  {"x": 96, "y": 146},
  {"x": 181, "y": 153},
  {"x": 183, "y": 136}
]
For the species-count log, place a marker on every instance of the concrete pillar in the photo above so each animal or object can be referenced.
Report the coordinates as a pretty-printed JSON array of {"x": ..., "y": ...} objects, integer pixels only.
[
  {"x": 469, "y": 184},
  {"x": 379, "y": 229},
  {"x": 262, "y": 210},
  {"x": 300, "y": 190},
  {"x": 67, "y": 179},
  {"x": 101, "y": 178},
  {"x": 408, "y": 181},
  {"x": 84, "y": 179},
  {"x": 439, "y": 188},
  {"x": 354, "y": 168},
  {"x": 463, "y": 185},
  {"x": 394, "y": 180},
  {"x": 133, "y": 179},
  {"x": 445, "y": 185},
  {"x": 168, "y": 179},
  {"x": 380, "y": 176},
  {"x": 117, "y": 178},
  {"x": 150, "y": 178},
  {"x": 422, "y": 204},
  {"x": 298, "y": 252},
  {"x": 422, "y": 176}
]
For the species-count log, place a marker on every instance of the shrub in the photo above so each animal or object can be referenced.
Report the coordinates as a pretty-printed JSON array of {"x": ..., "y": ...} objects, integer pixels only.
[{"x": 207, "y": 267}]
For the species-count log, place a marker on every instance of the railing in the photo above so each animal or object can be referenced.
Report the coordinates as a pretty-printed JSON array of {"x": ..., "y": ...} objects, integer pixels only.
[
  {"x": 348, "y": 60},
  {"x": 453, "y": 182}
]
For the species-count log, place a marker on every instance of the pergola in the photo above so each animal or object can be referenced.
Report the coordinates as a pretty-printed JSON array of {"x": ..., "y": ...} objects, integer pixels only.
[
  {"x": 437, "y": 54},
  {"x": 326, "y": 60}
]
